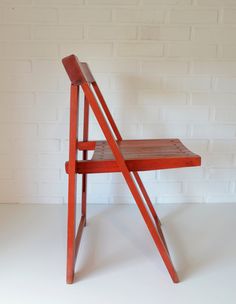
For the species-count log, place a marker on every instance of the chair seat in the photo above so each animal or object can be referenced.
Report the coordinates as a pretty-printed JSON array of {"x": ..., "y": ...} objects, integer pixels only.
[{"x": 140, "y": 155}]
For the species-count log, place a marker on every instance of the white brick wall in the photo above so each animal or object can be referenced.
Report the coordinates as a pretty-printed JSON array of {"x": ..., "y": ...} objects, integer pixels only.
[{"x": 167, "y": 69}]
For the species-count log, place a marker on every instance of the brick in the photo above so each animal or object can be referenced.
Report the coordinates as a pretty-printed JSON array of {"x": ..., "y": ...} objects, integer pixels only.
[
  {"x": 37, "y": 175},
  {"x": 112, "y": 32},
  {"x": 140, "y": 16},
  {"x": 81, "y": 15},
  {"x": 30, "y": 50},
  {"x": 193, "y": 16},
  {"x": 54, "y": 131},
  {"x": 183, "y": 199},
  {"x": 227, "y": 84},
  {"x": 186, "y": 113},
  {"x": 58, "y": 2},
  {"x": 191, "y": 83},
  {"x": 223, "y": 146},
  {"x": 130, "y": 130},
  {"x": 182, "y": 174},
  {"x": 57, "y": 33},
  {"x": 192, "y": 50},
  {"x": 136, "y": 114},
  {"x": 214, "y": 131},
  {"x": 97, "y": 178},
  {"x": 18, "y": 130},
  {"x": 200, "y": 188},
  {"x": 63, "y": 115},
  {"x": 165, "y": 67},
  {"x": 120, "y": 97},
  {"x": 14, "y": 32},
  {"x": 153, "y": 97},
  {"x": 113, "y": 2},
  {"x": 163, "y": 130},
  {"x": 54, "y": 98},
  {"x": 29, "y": 15},
  {"x": 52, "y": 160},
  {"x": 109, "y": 190},
  {"x": 229, "y": 16},
  {"x": 121, "y": 199},
  {"x": 111, "y": 66},
  {"x": 139, "y": 50},
  {"x": 16, "y": 2},
  {"x": 47, "y": 67},
  {"x": 18, "y": 161},
  {"x": 167, "y": 2},
  {"x": 228, "y": 51},
  {"x": 28, "y": 115},
  {"x": 222, "y": 174},
  {"x": 214, "y": 34},
  {"x": 17, "y": 99},
  {"x": 165, "y": 33},
  {"x": 6, "y": 174},
  {"x": 87, "y": 50},
  {"x": 214, "y": 67},
  {"x": 230, "y": 198},
  {"x": 129, "y": 83},
  {"x": 39, "y": 199},
  {"x": 52, "y": 189},
  {"x": 28, "y": 82},
  {"x": 15, "y": 67},
  {"x": 225, "y": 114},
  {"x": 217, "y": 3},
  {"x": 219, "y": 160},
  {"x": 5, "y": 146},
  {"x": 95, "y": 132},
  {"x": 213, "y": 98},
  {"x": 4, "y": 160},
  {"x": 164, "y": 188},
  {"x": 40, "y": 145},
  {"x": 19, "y": 189}
]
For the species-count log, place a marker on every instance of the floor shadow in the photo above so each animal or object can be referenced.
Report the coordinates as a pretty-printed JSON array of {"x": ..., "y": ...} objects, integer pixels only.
[
  {"x": 196, "y": 239},
  {"x": 202, "y": 242}
]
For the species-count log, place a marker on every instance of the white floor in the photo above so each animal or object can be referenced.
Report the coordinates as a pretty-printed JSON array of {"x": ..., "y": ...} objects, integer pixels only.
[{"x": 118, "y": 262}]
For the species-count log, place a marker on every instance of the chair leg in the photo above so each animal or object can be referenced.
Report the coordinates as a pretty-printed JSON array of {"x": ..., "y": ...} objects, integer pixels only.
[
  {"x": 158, "y": 237},
  {"x": 154, "y": 231},
  {"x": 151, "y": 208},
  {"x": 71, "y": 228},
  {"x": 147, "y": 199},
  {"x": 84, "y": 197}
]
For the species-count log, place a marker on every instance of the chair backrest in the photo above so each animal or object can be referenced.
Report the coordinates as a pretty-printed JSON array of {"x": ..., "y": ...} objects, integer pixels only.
[{"x": 80, "y": 75}]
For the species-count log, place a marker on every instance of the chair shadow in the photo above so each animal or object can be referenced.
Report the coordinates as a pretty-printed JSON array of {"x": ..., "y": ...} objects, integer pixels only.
[
  {"x": 191, "y": 254},
  {"x": 205, "y": 245},
  {"x": 92, "y": 264}
]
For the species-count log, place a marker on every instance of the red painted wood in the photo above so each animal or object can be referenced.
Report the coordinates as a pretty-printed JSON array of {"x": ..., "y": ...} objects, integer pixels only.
[
  {"x": 72, "y": 183},
  {"x": 85, "y": 156},
  {"x": 118, "y": 155},
  {"x": 140, "y": 155},
  {"x": 86, "y": 145}
]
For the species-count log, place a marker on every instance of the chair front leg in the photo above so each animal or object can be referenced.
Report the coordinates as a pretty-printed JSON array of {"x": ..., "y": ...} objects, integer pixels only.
[{"x": 71, "y": 222}]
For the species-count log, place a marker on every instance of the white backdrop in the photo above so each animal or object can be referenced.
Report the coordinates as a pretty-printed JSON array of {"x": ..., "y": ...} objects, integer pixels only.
[{"x": 166, "y": 67}]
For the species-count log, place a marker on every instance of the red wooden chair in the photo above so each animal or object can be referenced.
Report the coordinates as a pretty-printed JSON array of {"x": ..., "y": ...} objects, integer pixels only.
[{"x": 114, "y": 155}]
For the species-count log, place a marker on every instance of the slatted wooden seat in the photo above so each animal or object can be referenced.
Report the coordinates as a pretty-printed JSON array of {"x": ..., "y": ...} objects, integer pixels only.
[
  {"x": 139, "y": 155},
  {"x": 114, "y": 155}
]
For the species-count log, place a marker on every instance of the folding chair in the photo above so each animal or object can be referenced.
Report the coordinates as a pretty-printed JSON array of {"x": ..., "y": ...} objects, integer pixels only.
[{"x": 113, "y": 155}]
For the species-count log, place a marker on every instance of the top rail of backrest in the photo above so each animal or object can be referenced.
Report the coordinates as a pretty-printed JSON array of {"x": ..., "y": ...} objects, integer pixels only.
[{"x": 77, "y": 71}]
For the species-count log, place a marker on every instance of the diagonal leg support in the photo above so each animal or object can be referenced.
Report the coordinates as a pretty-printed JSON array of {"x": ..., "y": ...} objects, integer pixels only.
[
  {"x": 150, "y": 206},
  {"x": 147, "y": 198},
  {"x": 154, "y": 228}
]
